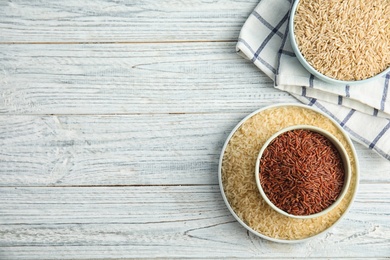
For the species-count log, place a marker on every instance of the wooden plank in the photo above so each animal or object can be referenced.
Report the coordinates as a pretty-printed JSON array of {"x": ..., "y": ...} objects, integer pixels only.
[
  {"x": 123, "y": 78},
  {"x": 112, "y": 150},
  {"x": 122, "y": 21},
  {"x": 151, "y": 149},
  {"x": 120, "y": 222}
]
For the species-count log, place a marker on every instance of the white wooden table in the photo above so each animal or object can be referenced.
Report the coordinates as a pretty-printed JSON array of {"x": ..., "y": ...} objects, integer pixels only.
[{"x": 112, "y": 119}]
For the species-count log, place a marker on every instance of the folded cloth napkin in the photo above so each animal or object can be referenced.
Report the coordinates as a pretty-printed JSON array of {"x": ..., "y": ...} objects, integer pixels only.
[{"x": 363, "y": 110}]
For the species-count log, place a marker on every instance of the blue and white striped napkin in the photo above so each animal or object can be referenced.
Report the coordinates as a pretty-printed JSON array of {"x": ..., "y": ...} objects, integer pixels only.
[{"x": 363, "y": 110}]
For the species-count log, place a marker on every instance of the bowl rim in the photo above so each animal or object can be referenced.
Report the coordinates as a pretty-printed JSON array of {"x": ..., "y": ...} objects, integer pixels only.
[
  {"x": 340, "y": 148},
  {"x": 310, "y": 68}
]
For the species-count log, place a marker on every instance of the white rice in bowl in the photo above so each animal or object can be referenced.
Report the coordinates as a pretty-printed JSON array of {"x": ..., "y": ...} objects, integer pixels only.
[{"x": 238, "y": 180}]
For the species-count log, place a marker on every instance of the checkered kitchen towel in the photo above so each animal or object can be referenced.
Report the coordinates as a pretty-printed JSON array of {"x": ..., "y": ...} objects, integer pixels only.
[{"x": 363, "y": 110}]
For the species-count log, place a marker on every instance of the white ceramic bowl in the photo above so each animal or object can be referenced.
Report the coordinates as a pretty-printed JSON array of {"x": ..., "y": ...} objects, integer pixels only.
[
  {"x": 310, "y": 68},
  {"x": 339, "y": 147}
]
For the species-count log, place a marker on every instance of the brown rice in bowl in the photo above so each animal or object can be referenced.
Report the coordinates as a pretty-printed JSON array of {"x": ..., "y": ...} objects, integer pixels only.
[{"x": 343, "y": 41}]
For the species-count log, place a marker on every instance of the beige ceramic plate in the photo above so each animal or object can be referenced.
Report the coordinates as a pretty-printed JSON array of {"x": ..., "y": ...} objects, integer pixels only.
[{"x": 237, "y": 179}]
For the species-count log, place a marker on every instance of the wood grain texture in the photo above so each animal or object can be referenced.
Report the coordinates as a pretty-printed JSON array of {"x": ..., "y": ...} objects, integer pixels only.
[
  {"x": 122, "y": 21},
  {"x": 113, "y": 222},
  {"x": 113, "y": 115},
  {"x": 112, "y": 150},
  {"x": 156, "y": 149},
  {"x": 130, "y": 78}
]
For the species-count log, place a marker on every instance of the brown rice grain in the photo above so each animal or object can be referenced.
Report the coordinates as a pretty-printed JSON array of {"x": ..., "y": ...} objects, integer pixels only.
[{"x": 344, "y": 39}]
